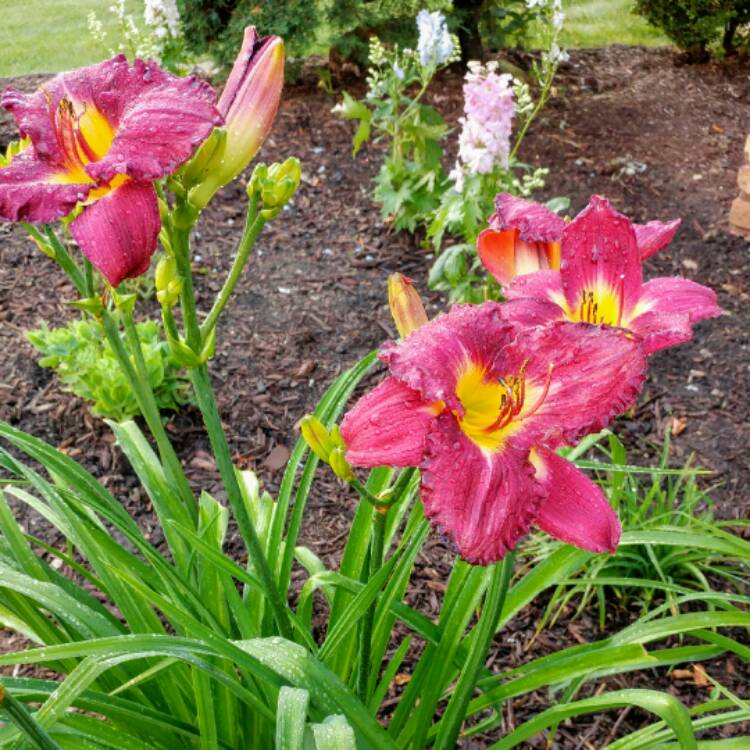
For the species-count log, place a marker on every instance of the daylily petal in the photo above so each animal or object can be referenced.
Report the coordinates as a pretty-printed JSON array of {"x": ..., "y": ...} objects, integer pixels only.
[
  {"x": 387, "y": 427},
  {"x": 544, "y": 285},
  {"x": 660, "y": 330},
  {"x": 485, "y": 502},
  {"x": 160, "y": 120},
  {"x": 600, "y": 254},
  {"x": 534, "y": 221},
  {"x": 575, "y": 510},
  {"x": 531, "y": 311},
  {"x": 100, "y": 88},
  {"x": 433, "y": 357},
  {"x": 665, "y": 303},
  {"x": 595, "y": 373},
  {"x": 496, "y": 250},
  {"x": 675, "y": 295},
  {"x": 118, "y": 232},
  {"x": 654, "y": 236},
  {"x": 32, "y": 190}
]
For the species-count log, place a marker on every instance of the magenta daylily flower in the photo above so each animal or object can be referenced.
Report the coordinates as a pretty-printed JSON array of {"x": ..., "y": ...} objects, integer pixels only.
[
  {"x": 100, "y": 136},
  {"x": 524, "y": 237},
  {"x": 600, "y": 280},
  {"x": 480, "y": 402}
]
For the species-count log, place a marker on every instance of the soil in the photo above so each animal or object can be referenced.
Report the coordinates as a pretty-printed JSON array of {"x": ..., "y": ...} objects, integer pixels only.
[{"x": 659, "y": 139}]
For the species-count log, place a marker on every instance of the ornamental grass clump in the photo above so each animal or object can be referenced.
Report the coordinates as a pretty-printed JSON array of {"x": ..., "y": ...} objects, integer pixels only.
[{"x": 183, "y": 644}]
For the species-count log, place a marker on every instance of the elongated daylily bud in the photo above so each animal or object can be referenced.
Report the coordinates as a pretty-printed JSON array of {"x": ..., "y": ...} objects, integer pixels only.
[
  {"x": 339, "y": 465},
  {"x": 406, "y": 306},
  {"x": 248, "y": 103},
  {"x": 317, "y": 437}
]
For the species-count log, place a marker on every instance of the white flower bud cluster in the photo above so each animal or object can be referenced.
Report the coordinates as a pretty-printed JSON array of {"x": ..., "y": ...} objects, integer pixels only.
[
  {"x": 162, "y": 17},
  {"x": 436, "y": 45}
]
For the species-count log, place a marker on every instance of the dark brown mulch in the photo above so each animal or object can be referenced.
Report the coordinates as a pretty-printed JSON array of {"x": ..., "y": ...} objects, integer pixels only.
[{"x": 659, "y": 140}]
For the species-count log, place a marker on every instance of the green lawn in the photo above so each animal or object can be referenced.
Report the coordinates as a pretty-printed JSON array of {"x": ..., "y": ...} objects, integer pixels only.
[
  {"x": 46, "y": 36},
  {"x": 597, "y": 23}
]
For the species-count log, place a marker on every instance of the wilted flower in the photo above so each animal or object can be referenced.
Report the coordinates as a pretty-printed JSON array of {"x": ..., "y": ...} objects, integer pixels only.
[
  {"x": 249, "y": 103},
  {"x": 99, "y": 137},
  {"x": 489, "y": 106},
  {"x": 600, "y": 278},
  {"x": 435, "y": 45},
  {"x": 479, "y": 400}
]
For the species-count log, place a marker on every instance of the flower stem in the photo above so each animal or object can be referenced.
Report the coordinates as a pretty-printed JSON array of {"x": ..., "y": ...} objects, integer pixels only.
[
  {"x": 137, "y": 374},
  {"x": 254, "y": 223},
  {"x": 483, "y": 635},
  {"x": 543, "y": 96},
  {"x": 375, "y": 563},
  {"x": 204, "y": 394},
  {"x": 181, "y": 238}
]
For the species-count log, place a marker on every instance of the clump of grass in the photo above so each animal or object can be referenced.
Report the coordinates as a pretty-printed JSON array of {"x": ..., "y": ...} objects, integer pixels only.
[{"x": 665, "y": 507}]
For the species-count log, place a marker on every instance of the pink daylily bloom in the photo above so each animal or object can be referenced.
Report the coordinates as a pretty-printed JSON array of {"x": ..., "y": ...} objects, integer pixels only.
[
  {"x": 479, "y": 402},
  {"x": 524, "y": 237},
  {"x": 600, "y": 280},
  {"x": 100, "y": 136}
]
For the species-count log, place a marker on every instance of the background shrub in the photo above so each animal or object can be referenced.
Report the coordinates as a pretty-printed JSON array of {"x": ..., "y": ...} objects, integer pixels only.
[
  {"x": 345, "y": 26},
  {"x": 695, "y": 25}
]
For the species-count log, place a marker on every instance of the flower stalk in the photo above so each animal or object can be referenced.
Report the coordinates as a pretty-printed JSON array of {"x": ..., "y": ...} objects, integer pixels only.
[
  {"x": 201, "y": 382},
  {"x": 375, "y": 562}
]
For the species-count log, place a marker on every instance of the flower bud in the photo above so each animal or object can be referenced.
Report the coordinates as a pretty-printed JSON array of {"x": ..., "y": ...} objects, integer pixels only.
[
  {"x": 406, "y": 306},
  {"x": 281, "y": 183},
  {"x": 317, "y": 437},
  {"x": 248, "y": 103},
  {"x": 168, "y": 284}
]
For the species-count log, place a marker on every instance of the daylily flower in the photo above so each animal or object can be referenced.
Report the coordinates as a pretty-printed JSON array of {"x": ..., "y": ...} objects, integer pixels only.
[
  {"x": 524, "y": 237},
  {"x": 600, "y": 278},
  {"x": 249, "y": 103},
  {"x": 479, "y": 403},
  {"x": 99, "y": 137}
]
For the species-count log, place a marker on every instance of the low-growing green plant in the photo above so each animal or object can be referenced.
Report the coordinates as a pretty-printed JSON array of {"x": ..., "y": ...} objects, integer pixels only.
[
  {"x": 86, "y": 365},
  {"x": 409, "y": 183}
]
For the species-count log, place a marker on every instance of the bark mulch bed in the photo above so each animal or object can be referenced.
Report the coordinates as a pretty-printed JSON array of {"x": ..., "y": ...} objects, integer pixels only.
[{"x": 660, "y": 140}]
